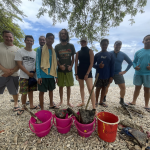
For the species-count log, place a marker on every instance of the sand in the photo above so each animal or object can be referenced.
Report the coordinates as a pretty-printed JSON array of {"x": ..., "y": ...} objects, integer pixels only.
[{"x": 17, "y": 128}]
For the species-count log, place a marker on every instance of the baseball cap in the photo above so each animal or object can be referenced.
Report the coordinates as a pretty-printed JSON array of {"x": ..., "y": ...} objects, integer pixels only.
[
  {"x": 118, "y": 42},
  {"x": 83, "y": 39}
]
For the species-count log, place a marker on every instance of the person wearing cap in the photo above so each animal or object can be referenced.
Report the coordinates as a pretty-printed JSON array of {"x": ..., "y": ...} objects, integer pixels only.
[
  {"x": 83, "y": 70},
  {"x": 65, "y": 58},
  {"x": 118, "y": 74},
  {"x": 104, "y": 65},
  {"x": 26, "y": 58}
]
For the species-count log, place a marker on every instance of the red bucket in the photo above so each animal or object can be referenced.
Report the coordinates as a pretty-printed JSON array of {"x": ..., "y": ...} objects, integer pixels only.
[{"x": 107, "y": 126}]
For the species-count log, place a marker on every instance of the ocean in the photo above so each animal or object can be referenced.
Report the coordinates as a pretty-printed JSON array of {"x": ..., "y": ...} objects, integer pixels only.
[{"x": 128, "y": 76}]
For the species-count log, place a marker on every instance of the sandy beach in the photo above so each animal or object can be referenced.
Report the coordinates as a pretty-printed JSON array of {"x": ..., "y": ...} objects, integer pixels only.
[{"x": 17, "y": 127}]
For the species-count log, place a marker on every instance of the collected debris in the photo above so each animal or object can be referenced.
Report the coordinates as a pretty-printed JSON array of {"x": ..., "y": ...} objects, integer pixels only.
[
  {"x": 61, "y": 113},
  {"x": 128, "y": 123}
]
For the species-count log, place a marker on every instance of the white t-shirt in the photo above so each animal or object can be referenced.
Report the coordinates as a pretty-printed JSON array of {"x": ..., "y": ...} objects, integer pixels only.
[
  {"x": 7, "y": 55},
  {"x": 28, "y": 59}
]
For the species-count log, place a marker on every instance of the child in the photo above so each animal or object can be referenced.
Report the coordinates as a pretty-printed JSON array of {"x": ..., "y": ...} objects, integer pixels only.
[
  {"x": 105, "y": 68},
  {"x": 141, "y": 65},
  {"x": 25, "y": 58}
]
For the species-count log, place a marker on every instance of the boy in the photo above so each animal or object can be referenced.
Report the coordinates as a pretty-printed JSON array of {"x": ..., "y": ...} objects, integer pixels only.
[
  {"x": 46, "y": 74},
  {"x": 141, "y": 65},
  {"x": 105, "y": 68},
  {"x": 25, "y": 58}
]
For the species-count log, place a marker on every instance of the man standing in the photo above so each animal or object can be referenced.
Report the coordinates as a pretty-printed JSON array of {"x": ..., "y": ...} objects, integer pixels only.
[
  {"x": 39, "y": 49},
  {"x": 46, "y": 68},
  {"x": 8, "y": 67},
  {"x": 141, "y": 64},
  {"x": 41, "y": 42},
  {"x": 118, "y": 74},
  {"x": 65, "y": 53}
]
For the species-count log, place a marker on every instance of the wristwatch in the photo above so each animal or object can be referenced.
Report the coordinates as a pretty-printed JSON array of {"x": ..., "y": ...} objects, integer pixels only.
[{"x": 75, "y": 74}]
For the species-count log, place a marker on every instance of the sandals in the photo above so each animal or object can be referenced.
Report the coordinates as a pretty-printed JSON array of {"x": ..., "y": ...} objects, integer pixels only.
[
  {"x": 21, "y": 112},
  {"x": 36, "y": 107},
  {"x": 147, "y": 109},
  {"x": 12, "y": 100},
  {"x": 103, "y": 104},
  {"x": 131, "y": 104},
  {"x": 96, "y": 104},
  {"x": 16, "y": 109},
  {"x": 53, "y": 107}
]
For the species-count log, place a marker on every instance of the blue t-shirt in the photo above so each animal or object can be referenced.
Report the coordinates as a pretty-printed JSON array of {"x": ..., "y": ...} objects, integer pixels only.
[
  {"x": 108, "y": 61},
  {"x": 119, "y": 58},
  {"x": 40, "y": 73},
  {"x": 142, "y": 58}
]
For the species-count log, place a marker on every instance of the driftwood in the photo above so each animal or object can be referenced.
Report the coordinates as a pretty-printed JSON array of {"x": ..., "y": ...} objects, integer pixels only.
[{"x": 38, "y": 121}]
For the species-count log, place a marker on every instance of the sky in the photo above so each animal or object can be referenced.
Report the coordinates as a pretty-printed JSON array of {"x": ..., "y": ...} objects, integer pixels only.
[{"x": 131, "y": 36}]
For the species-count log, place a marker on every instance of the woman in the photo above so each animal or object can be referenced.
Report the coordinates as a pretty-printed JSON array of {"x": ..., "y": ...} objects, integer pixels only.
[{"x": 83, "y": 70}]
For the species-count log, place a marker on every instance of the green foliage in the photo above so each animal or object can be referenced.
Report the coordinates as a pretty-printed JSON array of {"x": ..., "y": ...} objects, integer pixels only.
[
  {"x": 9, "y": 13},
  {"x": 35, "y": 49},
  {"x": 91, "y": 18}
]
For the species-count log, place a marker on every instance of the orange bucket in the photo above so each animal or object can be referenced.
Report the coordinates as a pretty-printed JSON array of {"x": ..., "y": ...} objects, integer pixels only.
[{"x": 107, "y": 126}]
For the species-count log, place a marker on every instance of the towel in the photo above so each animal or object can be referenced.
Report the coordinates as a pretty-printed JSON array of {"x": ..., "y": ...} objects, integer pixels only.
[{"x": 45, "y": 64}]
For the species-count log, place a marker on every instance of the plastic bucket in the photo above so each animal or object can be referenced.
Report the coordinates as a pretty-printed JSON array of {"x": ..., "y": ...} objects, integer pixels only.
[
  {"x": 63, "y": 125},
  {"x": 107, "y": 126},
  {"x": 85, "y": 130},
  {"x": 41, "y": 129}
]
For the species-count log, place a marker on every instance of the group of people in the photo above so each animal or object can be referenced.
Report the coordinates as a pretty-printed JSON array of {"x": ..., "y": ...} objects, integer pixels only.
[{"x": 44, "y": 68}]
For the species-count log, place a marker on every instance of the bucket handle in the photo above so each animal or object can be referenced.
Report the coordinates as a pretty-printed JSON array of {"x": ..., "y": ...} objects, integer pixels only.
[
  {"x": 39, "y": 132},
  {"x": 86, "y": 132},
  {"x": 61, "y": 127}
]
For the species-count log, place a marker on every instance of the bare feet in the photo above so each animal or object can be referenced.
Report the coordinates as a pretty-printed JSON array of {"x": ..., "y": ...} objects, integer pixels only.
[
  {"x": 60, "y": 104},
  {"x": 80, "y": 105},
  {"x": 70, "y": 105}
]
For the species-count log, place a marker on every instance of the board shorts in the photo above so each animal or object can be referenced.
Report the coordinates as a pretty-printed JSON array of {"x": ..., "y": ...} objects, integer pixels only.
[
  {"x": 47, "y": 84},
  {"x": 24, "y": 86},
  {"x": 118, "y": 79},
  {"x": 65, "y": 79},
  {"x": 12, "y": 84},
  {"x": 102, "y": 83},
  {"x": 138, "y": 80}
]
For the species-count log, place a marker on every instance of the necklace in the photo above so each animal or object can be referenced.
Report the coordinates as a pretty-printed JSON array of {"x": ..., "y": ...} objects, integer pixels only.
[{"x": 7, "y": 47}]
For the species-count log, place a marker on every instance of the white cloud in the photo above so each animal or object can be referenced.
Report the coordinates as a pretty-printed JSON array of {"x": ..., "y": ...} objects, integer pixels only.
[{"x": 131, "y": 36}]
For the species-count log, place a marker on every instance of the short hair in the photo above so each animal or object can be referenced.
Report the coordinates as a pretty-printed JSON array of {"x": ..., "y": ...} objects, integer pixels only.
[
  {"x": 41, "y": 36},
  {"x": 66, "y": 34},
  {"x": 7, "y": 31},
  {"x": 29, "y": 36},
  {"x": 103, "y": 40},
  {"x": 49, "y": 34},
  {"x": 146, "y": 36}
]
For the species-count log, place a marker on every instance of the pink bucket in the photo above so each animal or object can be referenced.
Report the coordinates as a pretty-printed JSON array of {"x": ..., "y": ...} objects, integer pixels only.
[
  {"x": 41, "y": 129},
  {"x": 63, "y": 125},
  {"x": 84, "y": 130}
]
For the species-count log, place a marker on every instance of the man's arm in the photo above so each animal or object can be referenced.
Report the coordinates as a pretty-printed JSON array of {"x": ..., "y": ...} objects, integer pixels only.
[
  {"x": 4, "y": 69},
  {"x": 128, "y": 60},
  {"x": 38, "y": 62},
  {"x": 24, "y": 69},
  {"x": 135, "y": 60}
]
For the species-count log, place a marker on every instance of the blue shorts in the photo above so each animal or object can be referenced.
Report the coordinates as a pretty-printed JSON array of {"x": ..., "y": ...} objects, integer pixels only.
[{"x": 138, "y": 80}]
